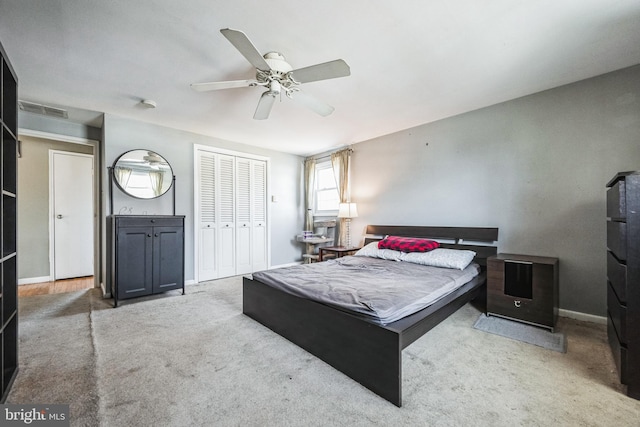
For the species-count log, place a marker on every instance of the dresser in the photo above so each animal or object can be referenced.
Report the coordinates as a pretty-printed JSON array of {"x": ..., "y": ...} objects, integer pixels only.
[
  {"x": 147, "y": 253},
  {"x": 523, "y": 288},
  {"x": 623, "y": 277}
]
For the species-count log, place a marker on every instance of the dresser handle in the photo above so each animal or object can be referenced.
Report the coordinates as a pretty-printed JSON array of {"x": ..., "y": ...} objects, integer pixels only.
[{"x": 517, "y": 304}]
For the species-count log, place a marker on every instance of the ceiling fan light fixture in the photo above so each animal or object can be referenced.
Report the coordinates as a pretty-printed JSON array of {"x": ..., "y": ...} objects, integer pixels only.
[{"x": 274, "y": 87}]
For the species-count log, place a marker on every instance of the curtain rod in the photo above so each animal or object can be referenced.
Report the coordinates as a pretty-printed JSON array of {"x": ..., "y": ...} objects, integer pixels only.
[{"x": 329, "y": 155}]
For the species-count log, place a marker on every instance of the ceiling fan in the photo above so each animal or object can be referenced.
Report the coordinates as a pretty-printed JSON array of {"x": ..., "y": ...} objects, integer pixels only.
[{"x": 277, "y": 76}]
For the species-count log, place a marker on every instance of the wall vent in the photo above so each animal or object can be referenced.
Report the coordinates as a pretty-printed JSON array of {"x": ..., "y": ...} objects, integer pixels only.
[{"x": 31, "y": 107}]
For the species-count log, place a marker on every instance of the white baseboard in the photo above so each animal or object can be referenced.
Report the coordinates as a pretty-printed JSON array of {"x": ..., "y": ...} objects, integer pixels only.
[
  {"x": 31, "y": 280},
  {"x": 582, "y": 316}
]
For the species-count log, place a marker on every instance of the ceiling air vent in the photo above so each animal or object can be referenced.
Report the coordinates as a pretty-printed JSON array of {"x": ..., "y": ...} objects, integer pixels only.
[{"x": 45, "y": 110}]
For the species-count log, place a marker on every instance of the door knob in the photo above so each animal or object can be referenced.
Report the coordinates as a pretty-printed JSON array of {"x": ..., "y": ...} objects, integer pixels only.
[{"x": 59, "y": 216}]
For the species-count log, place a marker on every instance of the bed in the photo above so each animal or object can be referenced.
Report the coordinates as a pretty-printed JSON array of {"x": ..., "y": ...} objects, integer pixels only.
[{"x": 362, "y": 348}]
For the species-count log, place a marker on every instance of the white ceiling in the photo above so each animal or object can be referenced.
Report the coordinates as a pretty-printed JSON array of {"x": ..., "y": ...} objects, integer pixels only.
[{"x": 412, "y": 61}]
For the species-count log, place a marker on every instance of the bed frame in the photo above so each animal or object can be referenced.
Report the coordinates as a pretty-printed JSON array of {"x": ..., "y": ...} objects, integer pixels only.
[{"x": 367, "y": 352}]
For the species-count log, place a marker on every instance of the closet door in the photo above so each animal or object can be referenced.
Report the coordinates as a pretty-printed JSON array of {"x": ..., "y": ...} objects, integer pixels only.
[
  {"x": 243, "y": 216},
  {"x": 226, "y": 245},
  {"x": 259, "y": 210},
  {"x": 232, "y": 214},
  {"x": 207, "y": 225}
]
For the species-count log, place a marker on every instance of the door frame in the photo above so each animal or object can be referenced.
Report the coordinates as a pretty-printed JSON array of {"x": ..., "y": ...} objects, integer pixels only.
[
  {"x": 196, "y": 199},
  {"x": 52, "y": 236},
  {"x": 97, "y": 238}
]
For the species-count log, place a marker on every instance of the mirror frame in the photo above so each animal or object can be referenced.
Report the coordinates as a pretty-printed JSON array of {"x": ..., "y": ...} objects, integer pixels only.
[{"x": 145, "y": 152}]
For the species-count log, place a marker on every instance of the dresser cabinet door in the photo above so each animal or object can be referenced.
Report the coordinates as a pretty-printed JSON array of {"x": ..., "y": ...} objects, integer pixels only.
[
  {"x": 168, "y": 244},
  {"x": 134, "y": 261}
]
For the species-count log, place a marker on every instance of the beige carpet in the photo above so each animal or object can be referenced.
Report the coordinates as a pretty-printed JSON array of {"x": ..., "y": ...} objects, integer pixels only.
[{"x": 174, "y": 360}]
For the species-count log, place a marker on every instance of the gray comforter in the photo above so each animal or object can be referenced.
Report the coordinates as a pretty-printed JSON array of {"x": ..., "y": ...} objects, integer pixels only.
[{"x": 381, "y": 290}]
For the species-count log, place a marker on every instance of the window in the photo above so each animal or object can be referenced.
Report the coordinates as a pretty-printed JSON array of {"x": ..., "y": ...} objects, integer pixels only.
[
  {"x": 139, "y": 183},
  {"x": 327, "y": 199}
]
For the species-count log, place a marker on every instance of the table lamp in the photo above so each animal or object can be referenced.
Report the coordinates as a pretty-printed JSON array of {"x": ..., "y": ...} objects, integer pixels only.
[{"x": 348, "y": 211}]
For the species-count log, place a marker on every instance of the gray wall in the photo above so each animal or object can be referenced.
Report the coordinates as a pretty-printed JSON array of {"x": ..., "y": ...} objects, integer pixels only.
[
  {"x": 176, "y": 146},
  {"x": 536, "y": 167},
  {"x": 58, "y": 126}
]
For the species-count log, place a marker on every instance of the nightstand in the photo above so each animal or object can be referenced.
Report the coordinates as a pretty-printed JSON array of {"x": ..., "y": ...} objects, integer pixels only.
[
  {"x": 523, "y": 288},
  {"x": 338, "y": 250}
]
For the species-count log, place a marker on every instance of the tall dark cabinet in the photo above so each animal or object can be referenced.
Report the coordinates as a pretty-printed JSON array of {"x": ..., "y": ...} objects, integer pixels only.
[
  {"x": 8, "y": 265},
  {"x": 623, "y": 277},
  {"x": 147, "y": 255}
]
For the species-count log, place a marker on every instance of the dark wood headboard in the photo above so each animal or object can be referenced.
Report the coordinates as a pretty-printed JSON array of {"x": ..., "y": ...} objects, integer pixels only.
[{"x": 482, "y": 240}]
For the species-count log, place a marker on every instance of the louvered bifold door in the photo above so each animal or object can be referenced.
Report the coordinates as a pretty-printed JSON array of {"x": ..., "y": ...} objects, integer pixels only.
[
  {"x": 243, "y": 216},
  {"x": 225, "y": 201},
  {"x": 207, "y": 226},
  {"x": 259, "y": 210}
]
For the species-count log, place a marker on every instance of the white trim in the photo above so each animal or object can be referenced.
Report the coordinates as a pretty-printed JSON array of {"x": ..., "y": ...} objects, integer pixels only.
[
  {"x": 52, "y": 242},
  {"x": 330, "y": 212},
  {"x": 57, "y": 137},
  {"x": 97, "y": 224},
  {"x": 31, "y": 280},
  {"x": 229, "y": 152},
  {"x": 601, "y": 320}
]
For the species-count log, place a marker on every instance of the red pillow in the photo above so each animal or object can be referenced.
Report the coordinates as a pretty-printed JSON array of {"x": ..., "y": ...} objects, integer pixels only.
[{"x": 407, "y": 244}]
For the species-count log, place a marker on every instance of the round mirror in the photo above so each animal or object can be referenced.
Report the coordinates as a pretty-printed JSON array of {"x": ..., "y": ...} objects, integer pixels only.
[{"x": 143, "y": 174}]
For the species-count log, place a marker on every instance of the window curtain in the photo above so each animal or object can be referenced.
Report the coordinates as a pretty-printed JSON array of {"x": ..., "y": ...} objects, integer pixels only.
[
  {"x": 122, "y": 175},
  {"x": 309, "y": 181},
  {"x": 156, "y": 177},
  {"x": 341, "y": 163}
]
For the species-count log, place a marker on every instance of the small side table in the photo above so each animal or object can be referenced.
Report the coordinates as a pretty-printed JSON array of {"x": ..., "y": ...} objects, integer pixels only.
[
  {"x": 524, "y": 288},
  {"x": 340, "y": 251}
]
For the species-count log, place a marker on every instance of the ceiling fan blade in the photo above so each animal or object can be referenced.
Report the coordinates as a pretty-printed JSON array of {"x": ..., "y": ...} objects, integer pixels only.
[
  {"x": 265, "y": 105},
  {"x": 203, "y": 87},
  {"x": 246, "y": 48},
  {"x": 312, "y": 103},
  {"x": 324, "y": 71}
]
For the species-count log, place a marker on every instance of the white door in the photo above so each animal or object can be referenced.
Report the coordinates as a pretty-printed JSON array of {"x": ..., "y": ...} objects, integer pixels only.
[
  {"x": 227, "y": 219},
  {"x": 259, "y": 207},
  {"x": 71, "y": 177},
  {"x": 243, "y": 216},
  {"x": 207, "y": 260}
]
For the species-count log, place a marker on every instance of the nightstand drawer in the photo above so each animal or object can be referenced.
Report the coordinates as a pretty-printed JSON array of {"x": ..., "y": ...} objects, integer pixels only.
[
  {"x": 528, "y": 310},
  {"x": 617, "y": 275}
]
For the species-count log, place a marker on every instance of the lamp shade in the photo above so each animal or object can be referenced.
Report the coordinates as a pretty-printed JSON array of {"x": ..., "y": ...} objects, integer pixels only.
[{"x": 347, "y": 210}]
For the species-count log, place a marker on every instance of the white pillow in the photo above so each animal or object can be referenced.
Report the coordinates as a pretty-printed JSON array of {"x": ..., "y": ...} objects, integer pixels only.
[
  {"x": 371, "y": 250},
  {"x": 441, "y": 257}
]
